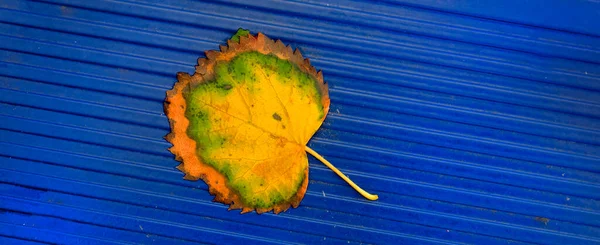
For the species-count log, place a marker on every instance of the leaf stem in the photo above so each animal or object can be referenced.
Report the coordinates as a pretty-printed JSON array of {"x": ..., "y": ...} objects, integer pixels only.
[{"x": 342, "y": 175}]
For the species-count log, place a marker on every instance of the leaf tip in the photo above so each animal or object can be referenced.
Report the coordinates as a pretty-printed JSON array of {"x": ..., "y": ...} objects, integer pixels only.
[{"x": 241, "y": 32}]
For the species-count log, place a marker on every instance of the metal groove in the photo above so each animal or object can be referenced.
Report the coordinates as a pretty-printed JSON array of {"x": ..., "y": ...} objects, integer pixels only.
[
  {"x": 361, "y": 46},
  {"x": 317, "y": 195},
  {"x": 476, "y": 123},
  {"x": 297, "y": 30}
]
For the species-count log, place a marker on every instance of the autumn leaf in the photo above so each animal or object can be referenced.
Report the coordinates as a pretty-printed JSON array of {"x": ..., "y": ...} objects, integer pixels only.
[{"x": 241, "y": 123}]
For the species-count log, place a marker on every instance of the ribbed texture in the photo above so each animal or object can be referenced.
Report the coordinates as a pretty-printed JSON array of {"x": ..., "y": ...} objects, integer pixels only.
[{"x": 475, "y": 123}]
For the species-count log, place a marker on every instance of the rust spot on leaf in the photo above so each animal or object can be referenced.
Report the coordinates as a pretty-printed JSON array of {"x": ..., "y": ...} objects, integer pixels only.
[{"x": 276, "y": 117}]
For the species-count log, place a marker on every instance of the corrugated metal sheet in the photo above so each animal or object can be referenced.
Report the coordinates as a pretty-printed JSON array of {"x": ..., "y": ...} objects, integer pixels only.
[{"x": 477, "y": 122}]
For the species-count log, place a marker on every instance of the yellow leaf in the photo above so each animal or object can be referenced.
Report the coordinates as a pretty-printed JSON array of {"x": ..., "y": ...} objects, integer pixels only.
[{"x": 242, "y": 121}]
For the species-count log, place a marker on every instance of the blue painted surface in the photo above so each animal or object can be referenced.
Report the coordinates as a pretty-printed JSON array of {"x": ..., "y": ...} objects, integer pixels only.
[{"x": 476, "y": 122}]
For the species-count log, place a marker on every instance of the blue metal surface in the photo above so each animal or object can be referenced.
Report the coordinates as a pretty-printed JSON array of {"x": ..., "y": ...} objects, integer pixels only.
[{"x": 476, "y": 122}]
